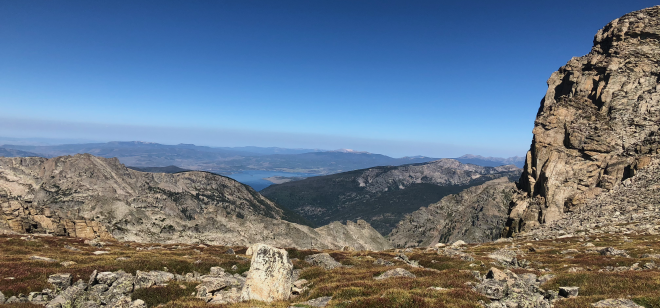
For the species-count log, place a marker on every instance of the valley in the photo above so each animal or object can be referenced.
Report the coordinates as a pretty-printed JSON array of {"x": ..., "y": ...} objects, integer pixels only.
[{"x": 382, "y": 195}]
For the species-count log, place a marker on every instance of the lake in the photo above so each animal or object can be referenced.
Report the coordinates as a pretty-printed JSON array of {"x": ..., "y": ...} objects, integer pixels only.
[{"x": 255, "y": 178}]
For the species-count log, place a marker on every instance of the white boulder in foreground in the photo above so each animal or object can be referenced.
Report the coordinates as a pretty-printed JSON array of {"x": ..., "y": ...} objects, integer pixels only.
[{"x": 270, "y": 275}]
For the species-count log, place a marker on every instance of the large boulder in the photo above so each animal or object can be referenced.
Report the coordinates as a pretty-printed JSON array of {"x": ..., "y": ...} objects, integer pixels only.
[
  {"x": 270, "y": 275},
  {"x": 597, "y": 124}
]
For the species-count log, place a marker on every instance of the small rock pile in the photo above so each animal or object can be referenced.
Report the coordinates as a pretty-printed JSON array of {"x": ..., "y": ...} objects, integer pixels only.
[
  {"x": 219, "y": 287},
  {"x": 506, "y": 289}
]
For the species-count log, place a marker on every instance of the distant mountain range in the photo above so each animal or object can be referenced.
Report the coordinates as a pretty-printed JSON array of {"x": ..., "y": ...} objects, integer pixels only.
[
  {"x": 155, "y": 157},
  {"x": 16, "y": 153},
  {"x": 491, "y": 161},
  {"x": 223, "y": 160}
]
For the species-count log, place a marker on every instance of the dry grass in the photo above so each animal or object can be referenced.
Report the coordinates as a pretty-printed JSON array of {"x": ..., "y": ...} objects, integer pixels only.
[{"x": 352, "y": 286}]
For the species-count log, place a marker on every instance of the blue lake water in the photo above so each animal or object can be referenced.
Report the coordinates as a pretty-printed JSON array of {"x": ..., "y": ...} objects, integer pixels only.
[{"x": 255, "y": 178}]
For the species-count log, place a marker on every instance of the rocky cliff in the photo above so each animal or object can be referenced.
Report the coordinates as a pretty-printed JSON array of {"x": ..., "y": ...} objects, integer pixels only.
[
  {"x": 597, "y": 124},
  {"x": 630, "y": 208},
  {"x": 89, "y": 197},
  {"x": 382, "y": 196},
  {"x": 474, "y": 215}
]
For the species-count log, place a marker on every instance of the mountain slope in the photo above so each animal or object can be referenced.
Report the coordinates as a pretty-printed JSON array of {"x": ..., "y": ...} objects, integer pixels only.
[
  {"x": 88, "y": 196},
  {"x": 16, "y": 153},
  {"x": 476, "y": 214},
  {"x": 597, "y": 124},
  {"x": 382, "y": 195}
]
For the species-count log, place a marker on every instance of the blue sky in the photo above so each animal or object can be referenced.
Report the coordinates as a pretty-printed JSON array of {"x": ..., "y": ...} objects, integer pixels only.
[{"x": 434, "y": 78}]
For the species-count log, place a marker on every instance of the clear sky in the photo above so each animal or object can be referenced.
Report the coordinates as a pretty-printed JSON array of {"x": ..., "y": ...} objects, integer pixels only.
[{"x": 434, "y": 78}]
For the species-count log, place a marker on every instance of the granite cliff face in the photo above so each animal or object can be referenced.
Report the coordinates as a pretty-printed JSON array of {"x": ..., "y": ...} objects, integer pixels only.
[
  {"x": 474, "y": 215},
  {"x": 90, "y": 197},
  {"x": 382, "y": 196},
  {"x": 597, "y": 125}
]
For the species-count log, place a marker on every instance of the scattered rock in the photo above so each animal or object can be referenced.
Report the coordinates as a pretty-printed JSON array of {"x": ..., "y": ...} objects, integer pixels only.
[
  {"x": 611, "y": 251},
  {"x": 230, "y": 252},
  {"x": 67, "y": 247},
  {"x": 44, "y": 259},
  {"x": 270, "y": 275},
  {"x": 68, "y": 263},
  {"x": 450, "y": 252},
  {"x": 405, "y": 259},
  {"x": 568, "y": 291},
  {"x": 438, "y": 289},
  {"x": 148, "y": 279},
  {"x": 496, "y": 274},
  {"x": 138, "y": 303},
  {"x": 506, "y": 289},
  {"x": 382, "y": 262},
  {"x": 616, "y": 303},
  {"x": 2, "y": 298},
  {"x": 317, "y": 302},
  {"x": 323, "y": 260},
  {"x": 397, "y": 272},
  {"x": 100, "y": 252},
  {"x": 60, "y": 281}
]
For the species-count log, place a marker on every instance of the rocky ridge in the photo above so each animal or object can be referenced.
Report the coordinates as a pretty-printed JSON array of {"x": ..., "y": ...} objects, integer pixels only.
[
  {"x": 475, "y": 215},
  {"x": 597, "y": 124},
  {"x": 92, "y": 197},
  {"x": 381, "y": 196}
]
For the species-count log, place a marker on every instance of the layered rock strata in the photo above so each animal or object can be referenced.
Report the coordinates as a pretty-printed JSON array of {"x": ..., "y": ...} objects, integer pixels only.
[{"x": 597, "y": 124}]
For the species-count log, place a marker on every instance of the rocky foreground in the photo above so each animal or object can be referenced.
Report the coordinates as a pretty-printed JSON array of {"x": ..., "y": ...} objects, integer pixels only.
[
  {"x": 580, "y": 271},
  {"x": 93, "y": 197}
]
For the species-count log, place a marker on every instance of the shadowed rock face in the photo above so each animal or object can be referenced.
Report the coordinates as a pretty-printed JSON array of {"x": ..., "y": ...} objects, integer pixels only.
[
  {"x": 597, "y": 124},
  {"x": 474, "y": 215},
  {"x": 88, "y": 196}
]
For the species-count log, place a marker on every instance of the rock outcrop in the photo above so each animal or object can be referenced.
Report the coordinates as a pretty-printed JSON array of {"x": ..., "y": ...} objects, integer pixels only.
[
  {"x": 357, "y": 235},
  {"x": 475, "y": 215},
  {"x": 381, "y": 196},
  {"x": 597, "y": 125},
  {"x": 92, "y": 197},
  {"x": 270, "y": 277},
  {"x": 629, "y": 208},
  {"x": 323, "y": 260}
]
